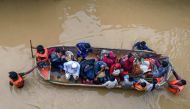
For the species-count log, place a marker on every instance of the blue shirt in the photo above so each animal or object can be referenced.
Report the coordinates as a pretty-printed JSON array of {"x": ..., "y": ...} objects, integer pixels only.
[
  {"x": 98, "y": 65},
  {"x": 159, "y": 72},
  {"x": 73, "y": 71},
  {"x": 83, "y": 49},
  {"x": 139, "y": 46}
]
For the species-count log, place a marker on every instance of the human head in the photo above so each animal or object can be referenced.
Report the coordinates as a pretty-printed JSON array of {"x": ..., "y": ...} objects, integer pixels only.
[
  {"x": 111, "y": 54},
  {"x": 117, "y": 65},
  {"x": 40, "y": 49},
  {"x": 131, "y": 79},
  {"x": 58, "y": 50},
  {"x": 63, "y": 52},
  {"x": 103, "y": 67},
  {"x": 143, "y": 84},
  {"x": 164, "y": 63},
  {"x": 143, "y": 43},
  {"x": 112, "y": 78},
  {"x": 183, "y": 82},
  {"x": 54, "y": 57},
  {"x": 13, "y": 75},
  {"x": 130, "y": 55},
  {"x": 155, "y": 81}
]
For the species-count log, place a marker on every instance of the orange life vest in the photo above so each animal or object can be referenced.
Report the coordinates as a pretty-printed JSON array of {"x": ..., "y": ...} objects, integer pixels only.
[
  {"x": 138, "y": 86},
  {"x": 19, "y": 83},
  {"x": 175, "y": 90},
  {"x": 42, "y": 57}
]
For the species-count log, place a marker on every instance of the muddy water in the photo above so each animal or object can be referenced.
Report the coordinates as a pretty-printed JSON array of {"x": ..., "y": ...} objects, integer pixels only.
[{"x": 164, "y": 24}]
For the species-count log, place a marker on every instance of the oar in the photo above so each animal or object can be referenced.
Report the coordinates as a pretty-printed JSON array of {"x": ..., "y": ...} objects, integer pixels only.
[{"x": 31, "y": 49}]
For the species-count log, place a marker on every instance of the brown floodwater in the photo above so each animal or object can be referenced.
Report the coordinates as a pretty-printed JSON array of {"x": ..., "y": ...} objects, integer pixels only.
[{"x": 164, "y": 24}]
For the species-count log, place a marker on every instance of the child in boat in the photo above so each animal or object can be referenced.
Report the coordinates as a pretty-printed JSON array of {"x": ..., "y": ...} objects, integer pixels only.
[
  {"x": 141, "y": 46},
  {"x": 176, "y": 86},
  {"x": 87, "y": 73},
  {"x": 117, "y": 71},
  {"x": 69, "y": 56},
  {"x": 72, "y": 68},
  {"x": 83, "y": 49},
  {"x": 111, "y": 83},
  {"x": 127, "y": 62},
  {"x": 102, "y": 72},
  {"x": 109, "y": 58}
]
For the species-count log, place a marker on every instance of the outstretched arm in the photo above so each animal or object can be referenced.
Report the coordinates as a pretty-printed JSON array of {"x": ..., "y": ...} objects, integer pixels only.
[
  {"x": 27, "y": 72},
  {"x": 176, "y": 75}
]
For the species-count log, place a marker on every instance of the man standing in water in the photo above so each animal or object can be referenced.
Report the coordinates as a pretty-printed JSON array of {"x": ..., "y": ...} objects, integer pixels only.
[
  {"x": 176, "y": 86},
  {"x": 17, "y": 79}
]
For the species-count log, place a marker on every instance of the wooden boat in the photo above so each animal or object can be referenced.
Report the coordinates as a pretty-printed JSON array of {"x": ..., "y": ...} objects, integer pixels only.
[{"x": 56, "y": 77}]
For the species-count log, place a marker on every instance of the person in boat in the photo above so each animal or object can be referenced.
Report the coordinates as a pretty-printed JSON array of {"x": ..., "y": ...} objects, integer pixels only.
[
  {"x": 58, "y": 58},
  {"x": 117, "y": 71},
  {"x": 141, "y": 45},
  {"x": 128, "y": 82},
  {"x": 111, "y": 83},
  {"x": 162, "y": 70},
  {"x": 127, "y": 62},
  {"x": 143, "y": 85},
  {"x": 55, "y": 58},
  {"x": 83, "y": 49},
  {"x": 177, "y": 85},
  {"x": 102, "y": 72},
  {"x": 69, "y": 56},
  {"x": 72, "y": 68},
  {"x": 103, "y": 53},
  {"x": 87, "y": 73},
  {"x": 109, "y": 58},
  {"x": 42, "y": 56}
]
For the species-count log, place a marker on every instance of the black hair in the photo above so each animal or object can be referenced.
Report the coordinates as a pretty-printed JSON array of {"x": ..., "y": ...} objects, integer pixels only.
[
  {"x": 58, "y": 50},
  {"x": 164, "y": 63},
  {"x": 87, "y": 45},
  {"x": 143, "y": 43},
  {"x": 143, "y": 84},
  {"x": 183, "y": 82},
  {"x": 131, "y": 79},
  {"x": 40, "y": 49},
  {"x": 63, "y": 52},
  {"x": 112, "y": 78},
  {"x": 130, "y": 55},
  {"x": 13, "y": 75},
  {"x": 154, "y": 81}
]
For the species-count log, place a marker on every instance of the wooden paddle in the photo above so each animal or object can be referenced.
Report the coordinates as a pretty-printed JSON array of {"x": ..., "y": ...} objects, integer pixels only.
[{"x": 31, "y": 47}]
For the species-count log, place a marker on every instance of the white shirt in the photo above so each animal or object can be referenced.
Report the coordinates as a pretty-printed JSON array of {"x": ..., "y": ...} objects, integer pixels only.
[
  {"x": 72, "y": 71},
  {"x": 110, "y": 84}
]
